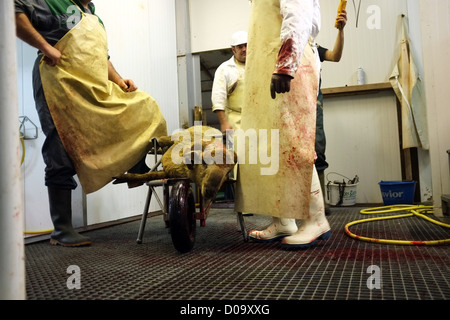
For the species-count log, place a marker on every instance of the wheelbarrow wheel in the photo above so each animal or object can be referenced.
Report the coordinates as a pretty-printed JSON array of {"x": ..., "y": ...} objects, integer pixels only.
[{"x": 182, "y": 216}]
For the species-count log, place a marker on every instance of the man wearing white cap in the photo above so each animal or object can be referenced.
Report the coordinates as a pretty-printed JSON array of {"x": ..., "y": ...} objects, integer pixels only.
[
  {"x": 228, "y": 85},
  {"x": 228, "y": 89}
]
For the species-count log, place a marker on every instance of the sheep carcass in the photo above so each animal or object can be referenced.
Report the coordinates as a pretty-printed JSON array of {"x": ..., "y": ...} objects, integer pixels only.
[{"x": 196, "y": 153}]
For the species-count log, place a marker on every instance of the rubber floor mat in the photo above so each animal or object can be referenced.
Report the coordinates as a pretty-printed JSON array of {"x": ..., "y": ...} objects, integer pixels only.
[{"x": 222, "y": 266}]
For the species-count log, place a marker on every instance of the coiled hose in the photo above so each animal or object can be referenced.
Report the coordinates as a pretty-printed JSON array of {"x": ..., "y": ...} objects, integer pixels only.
[{"x": 413, "y": 210}]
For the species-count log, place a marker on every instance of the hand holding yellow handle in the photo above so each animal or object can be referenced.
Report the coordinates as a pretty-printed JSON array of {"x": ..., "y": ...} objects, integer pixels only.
[{"x": 342, "y": 6}]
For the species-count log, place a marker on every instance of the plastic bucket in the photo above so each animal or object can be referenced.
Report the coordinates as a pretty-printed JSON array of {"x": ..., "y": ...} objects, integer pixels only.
[
  {"x": 397, "y": 192},
  {"x": 340, "y": 194}
]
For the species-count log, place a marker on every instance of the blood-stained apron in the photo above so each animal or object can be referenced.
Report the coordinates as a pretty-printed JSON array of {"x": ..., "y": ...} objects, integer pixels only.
[
  {"x": 285, "y": 193},
  {"x": 104, "y": 130}
]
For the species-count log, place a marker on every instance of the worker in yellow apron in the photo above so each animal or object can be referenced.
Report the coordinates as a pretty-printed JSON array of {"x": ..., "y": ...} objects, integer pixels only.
[
  {"x": 104, "y": 129},
  {"x": 227, "y": 94},
  {"x": 280, "y": 60}
]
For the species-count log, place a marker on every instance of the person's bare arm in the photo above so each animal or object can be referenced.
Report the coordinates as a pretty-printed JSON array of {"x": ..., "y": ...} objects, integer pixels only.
[
  {"x": 26, "y": 32},
  {"x": 126, "y": 84},
  {"x": 335, "y": 55},
  {"x": 224, "y": 124}
]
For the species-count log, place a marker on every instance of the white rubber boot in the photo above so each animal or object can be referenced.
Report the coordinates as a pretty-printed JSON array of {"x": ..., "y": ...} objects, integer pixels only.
[
  {"x": 280, "y": 228},
  {"x": 316, "y": 226}
]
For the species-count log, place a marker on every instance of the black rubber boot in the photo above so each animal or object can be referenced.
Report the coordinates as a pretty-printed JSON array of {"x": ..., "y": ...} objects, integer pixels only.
[{"x": 61, "y": 214}]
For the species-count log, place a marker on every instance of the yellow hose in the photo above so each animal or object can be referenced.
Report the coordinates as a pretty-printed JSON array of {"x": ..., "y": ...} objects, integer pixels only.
[
  {"x": 23, "y": 151},
  {"x": 414, "y": 210},
  {"x": 38, "y": 232}
]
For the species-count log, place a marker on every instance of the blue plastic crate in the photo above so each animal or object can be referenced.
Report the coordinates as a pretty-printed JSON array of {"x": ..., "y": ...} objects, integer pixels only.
[{"x": 397, "y": 192}]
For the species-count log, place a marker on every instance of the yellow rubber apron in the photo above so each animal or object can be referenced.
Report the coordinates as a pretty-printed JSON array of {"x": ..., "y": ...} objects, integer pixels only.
[
  {"x": 286, "y": 193},
  {"x": 235, "y": 100},
  {"x": 104, "y": 130}
]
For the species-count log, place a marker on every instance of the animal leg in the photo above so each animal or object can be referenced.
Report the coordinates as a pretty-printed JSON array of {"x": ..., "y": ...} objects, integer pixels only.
[{"x": 136, "y": 179}]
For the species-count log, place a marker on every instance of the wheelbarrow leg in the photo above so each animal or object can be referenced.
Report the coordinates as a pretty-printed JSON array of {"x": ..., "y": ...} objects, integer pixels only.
[
  {"x": 242, "y": 225},
  {"x": 144, "y": 215},
  {"x": 165, "y": 208},
  {"x": 201, "y": 215}
]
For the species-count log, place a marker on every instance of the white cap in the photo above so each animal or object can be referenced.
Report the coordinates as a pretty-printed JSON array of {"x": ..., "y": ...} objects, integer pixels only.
[{"x": 239, "y": 37}]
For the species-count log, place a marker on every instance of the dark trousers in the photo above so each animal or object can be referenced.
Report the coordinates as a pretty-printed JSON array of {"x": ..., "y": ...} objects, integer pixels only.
[
  {"x": 321, "y": 141},
  {"x": 59, "y": 169}
]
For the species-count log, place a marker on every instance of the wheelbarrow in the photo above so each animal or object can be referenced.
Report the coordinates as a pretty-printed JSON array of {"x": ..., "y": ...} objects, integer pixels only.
[{"x": 179, "y": 209}]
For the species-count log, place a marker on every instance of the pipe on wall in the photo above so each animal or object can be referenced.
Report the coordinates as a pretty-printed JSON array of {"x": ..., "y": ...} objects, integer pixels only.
[{"x": 12, "y": 270}]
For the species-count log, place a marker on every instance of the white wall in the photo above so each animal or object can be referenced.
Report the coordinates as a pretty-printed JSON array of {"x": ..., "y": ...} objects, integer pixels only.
[
  {"x": 142, "y": 46},
  {"x": 34, "y": 192},
  {"x": 372, "y": 44},
  {"x": 435, "y": 35},
  {"x": 213, "y": 22},
  {"x": 362, "y": 135}
]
